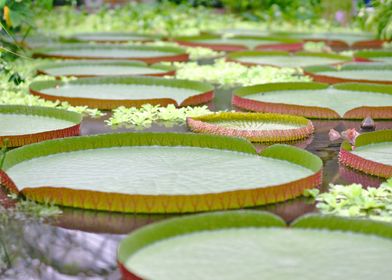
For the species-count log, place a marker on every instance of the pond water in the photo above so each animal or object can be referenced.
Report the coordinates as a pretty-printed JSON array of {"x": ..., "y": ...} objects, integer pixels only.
[{"x": 81, "y": 244}]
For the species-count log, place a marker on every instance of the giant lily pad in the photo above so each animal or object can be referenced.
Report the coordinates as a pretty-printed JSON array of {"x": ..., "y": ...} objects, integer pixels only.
[
  {"x": 158, "y": 172},
  {"x": 257, "y": 245},
  {"x": 380, "y": 56},
  {"x": 233, "y": 43},
  {"x": 336, "y": 40},
  {"x": 286, "y": 59},
  {"x": 148, "y": 54},
  {"x": 372, "y": 153},
  {"x": 112, "y": 92},
  {"x": 355, "y": 72},
  {"x": 83, "y": 69},
  {"x": 253, "y": 126},
  {"x": 110, "y": 37},
  {"x": 22, "y": 125},
  {"x": 317, "y": 100}
]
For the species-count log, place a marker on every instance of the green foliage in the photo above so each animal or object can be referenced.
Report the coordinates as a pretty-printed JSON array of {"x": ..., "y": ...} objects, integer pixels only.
[
  {"x": 356, "y": 201},
  {"x": 145, "y": 116},
  {"x": 231, "y": 74},
  {"x": 381, "y": 18}
]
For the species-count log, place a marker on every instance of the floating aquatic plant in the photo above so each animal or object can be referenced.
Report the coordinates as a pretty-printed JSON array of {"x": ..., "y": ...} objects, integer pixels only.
[
  {"x": 231, "y": 74},
  {"x": 356, "y": 201},
  {"x": 148, "y": 114}
]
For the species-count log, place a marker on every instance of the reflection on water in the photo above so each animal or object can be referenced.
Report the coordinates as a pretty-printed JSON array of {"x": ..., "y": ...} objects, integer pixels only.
[{"x": 81, "y": 244}]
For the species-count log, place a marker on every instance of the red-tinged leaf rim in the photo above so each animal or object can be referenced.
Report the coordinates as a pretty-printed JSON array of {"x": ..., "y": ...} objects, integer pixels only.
[
  {"x": 83, "y": 37},
  {"x": 104, "y": 222},
  {"x": 240, "y": 100},
  {"x": 234, "y": 56},
  {"x": 206, "y": 92},
  {"x": 24, "y": 139},
  {"x": 316, "y": 72},
  {"x": 369, "y": 44},
  {"x": 173, "y": 53},
  {"x": 365, "y": 165},
  {"x": 167, "y": 70},
  {"x": 210, "y": 124},
  {"x": 163, "y": 203},
  {"x": 156, "y": 232},
  {"x": 227, "y": 46}
]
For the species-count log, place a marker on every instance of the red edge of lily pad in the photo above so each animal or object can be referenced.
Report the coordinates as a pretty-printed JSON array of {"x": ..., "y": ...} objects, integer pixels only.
[
  {"x": 369, "y": 44},
  {"x": 334, "y": 80},
  {"x": 215, "y": 47},
  {"x": 275, "y": 135},
  {"x": 24, "y": 139},
  {"x": 165, "y": 203},
  {"x": 310, "y": 111},
  {"x": 108, "y": 104},
  {"x": 367, "y": 166}
]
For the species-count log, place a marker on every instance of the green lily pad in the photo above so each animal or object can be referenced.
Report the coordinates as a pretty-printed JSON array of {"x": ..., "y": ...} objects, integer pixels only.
[
  {"x": 379, "y": 55},
  {"x": 157, "y": 172},
  {"x": 372, "y": 153},
  {"x": 349, "y": 38},
  {"x": 109, "y": 37},
  {"x": 112, "y": 92},
  {"x": 255, "y": 244},
  {"x": 231, "y": 43},
  {"x": 356, "y": 72},
  {"x": 286, "y": 59},
  {"x": 253, "y": 126},
  {"x": 103, "y": 68},
  {"x": 316, "y": 100},
  {"x": 23, "y": 124},
  {"x": 148, "y": 54}
]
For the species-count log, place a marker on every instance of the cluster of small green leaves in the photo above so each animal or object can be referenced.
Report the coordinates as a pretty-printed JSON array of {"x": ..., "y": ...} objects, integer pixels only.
[
  {"x": 356, "y": 201},
  {"x": 316, "y": 47},
  {"x": 17, "y": 93},
  {"x": 145, "y": 116},
  {"x": 231, "y": 74}
]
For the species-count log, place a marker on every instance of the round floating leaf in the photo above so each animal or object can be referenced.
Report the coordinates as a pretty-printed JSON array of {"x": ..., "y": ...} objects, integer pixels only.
[
  {"x": 21, "y": 125},
  {"x": 90, "y": 68},
  {"x": 372, "y": 153},
  {"x": 286, "y": 59},
  {"x": 234, "y": 43},
  {"x": 148, "y": 54},
  {"x": 159, "y": 172},
  {"x": 317, "y": 100},
  {"x": 110, "y": 37},
  {"x": 335, "y": 40},
  {"x": 253, "y": 126},
  {"x": 355, "y": 72},
  {"x": 112, "y": 92},
  {"x": 255, "y": 244},
  {"x": 379, "y": 56}
]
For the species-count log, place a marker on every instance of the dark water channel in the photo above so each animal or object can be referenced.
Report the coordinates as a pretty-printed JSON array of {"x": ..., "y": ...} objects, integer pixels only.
[{"x": 81, "y": 244}]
